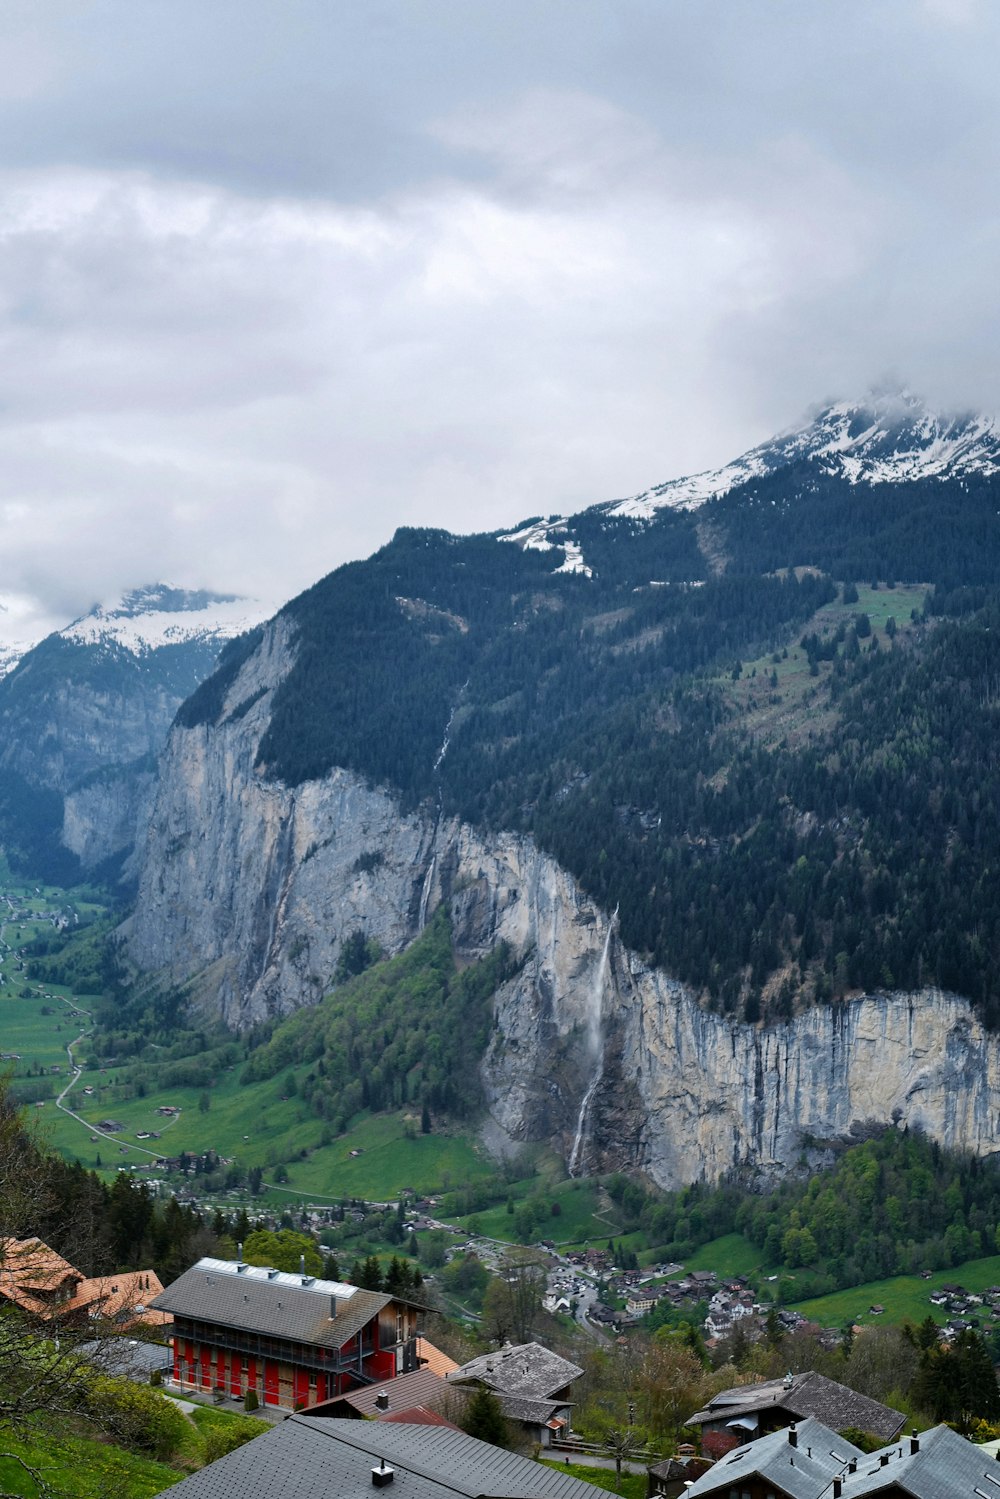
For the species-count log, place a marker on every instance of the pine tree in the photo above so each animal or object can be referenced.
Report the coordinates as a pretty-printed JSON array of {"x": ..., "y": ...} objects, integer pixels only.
[{"x": 484, "y": 1418}]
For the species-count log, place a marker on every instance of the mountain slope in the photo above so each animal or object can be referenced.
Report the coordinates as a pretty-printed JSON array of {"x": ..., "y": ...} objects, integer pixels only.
[
  {"x": 83, "y": 713},
  {"x": 785, "y": 790},
  {"x": 890, "y": 438}
]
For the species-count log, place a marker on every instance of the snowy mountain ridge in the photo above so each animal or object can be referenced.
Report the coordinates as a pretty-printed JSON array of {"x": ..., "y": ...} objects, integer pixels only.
[
  {"x": 144, "y": 619},
  {"x": 886, "y": 439},
  {"x": 141, "y": 620},
  {"x": 889, "y": 437}
]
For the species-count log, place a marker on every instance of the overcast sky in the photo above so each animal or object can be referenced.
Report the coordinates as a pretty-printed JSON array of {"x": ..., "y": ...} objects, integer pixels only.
[{"x": 278, "y": 277}]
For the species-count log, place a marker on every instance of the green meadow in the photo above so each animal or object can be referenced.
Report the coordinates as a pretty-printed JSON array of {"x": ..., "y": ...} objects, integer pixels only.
[
  {"x": 262, "y": 1125},
  {"x": 905, "y": 1297}
]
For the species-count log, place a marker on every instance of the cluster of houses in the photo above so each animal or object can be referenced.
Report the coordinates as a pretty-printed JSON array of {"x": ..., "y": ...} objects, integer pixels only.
[
  {"x": 966, "y": 1309},
  {"x": 643, "y": 1295},
  {"x": 368, "y": 1401}
]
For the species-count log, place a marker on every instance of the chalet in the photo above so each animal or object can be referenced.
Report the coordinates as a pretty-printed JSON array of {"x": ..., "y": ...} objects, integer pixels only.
[
  {"x": 37, "y": 1280},
  {"x": 293, "y": 1339},
  {"x": 672, "y": 1478},
  {"x": 40, "y": 1282},
  {"x": 750, "y": 1412},
  {"x": 809, "y": 1461},
  {"x": 532, "y": 1384}
]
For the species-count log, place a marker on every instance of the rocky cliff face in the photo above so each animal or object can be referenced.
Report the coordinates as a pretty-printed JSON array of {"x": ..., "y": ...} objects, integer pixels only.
[
  {"x": 100, "y": 818},
  {"x": 248, "y": 889}
]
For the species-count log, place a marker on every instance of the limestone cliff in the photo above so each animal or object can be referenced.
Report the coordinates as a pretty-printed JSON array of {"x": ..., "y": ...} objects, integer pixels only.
[{"x": 248, "y": 889}]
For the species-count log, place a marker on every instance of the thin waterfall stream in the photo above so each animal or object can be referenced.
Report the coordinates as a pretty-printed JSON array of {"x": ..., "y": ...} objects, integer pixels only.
[{"x": 595, "y": 1038}]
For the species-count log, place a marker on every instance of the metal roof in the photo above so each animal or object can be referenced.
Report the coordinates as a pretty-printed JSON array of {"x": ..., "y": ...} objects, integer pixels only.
[
  {"x": 271, "y": 1303},
  {"x": 803, "y": 1471},
  {"x": 403, "y": 1392},
  {"x": 309, "y": 1457},
  {"x": 126, "y": 1357},
  {"x": 945, "y": 1466}
]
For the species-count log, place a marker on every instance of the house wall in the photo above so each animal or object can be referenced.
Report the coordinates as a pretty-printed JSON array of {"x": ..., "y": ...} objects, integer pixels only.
[
  {"x": 717, "y": 1440},
  {"x": 205, "y": 1362},
  {"x": 203, "y": 1366}
]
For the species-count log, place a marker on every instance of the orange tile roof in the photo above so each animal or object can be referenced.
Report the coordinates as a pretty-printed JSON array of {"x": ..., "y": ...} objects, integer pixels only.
[
  {"x": 41, "y": 1282},
  {"x": 124, "y": 1299},
  {"x": 420, "y": 1415},
  {"x": 432, "y": 1358},
  {"x": 35, "y": 1278}
]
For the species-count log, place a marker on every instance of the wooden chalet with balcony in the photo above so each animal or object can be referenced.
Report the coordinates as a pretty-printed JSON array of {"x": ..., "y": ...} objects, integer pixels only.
[{"x": 293, "y": 1339}]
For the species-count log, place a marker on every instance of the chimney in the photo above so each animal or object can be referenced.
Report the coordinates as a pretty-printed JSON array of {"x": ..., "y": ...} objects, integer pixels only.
[
  {"x": 382, "y": 1475},
  {"x": 302, "y": 1264},
  {"x": 239, "y": 1253},
  {"x": 382, "y": 1401},
  {"x": 333, "y": 1307},
  {"x": 914, "y": 1442},
  {"x": 838, "y": 1487},
  {"x": 852, "y": 1466},
  {"x": 272, "y": 1274},
  {"x": 883, "y": 1461},
  {"x": 793, "y": 1436}
]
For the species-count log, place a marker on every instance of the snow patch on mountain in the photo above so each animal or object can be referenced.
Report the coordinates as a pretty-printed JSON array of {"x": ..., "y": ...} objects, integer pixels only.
[
  {"x": 144, "y": 619},
  {"x": 22, "y": 626},
  {"x": 537, "y": 536},
  {"x": 11, "y": 652}
]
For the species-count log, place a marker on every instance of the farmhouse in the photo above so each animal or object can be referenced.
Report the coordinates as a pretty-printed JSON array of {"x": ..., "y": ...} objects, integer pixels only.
[
  {"x": 532, "y": 1383},
  {"x": 293, "y": 1339}
]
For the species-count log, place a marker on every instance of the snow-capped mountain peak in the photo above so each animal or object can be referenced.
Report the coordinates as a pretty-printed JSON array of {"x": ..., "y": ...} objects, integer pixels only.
[
  {"x": 889, "y": 437},
  {"x": 144, "y": 619}
]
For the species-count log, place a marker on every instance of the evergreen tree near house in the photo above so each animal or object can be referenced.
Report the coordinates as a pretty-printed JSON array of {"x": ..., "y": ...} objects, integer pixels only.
[{"x": 484, "y": 1419}]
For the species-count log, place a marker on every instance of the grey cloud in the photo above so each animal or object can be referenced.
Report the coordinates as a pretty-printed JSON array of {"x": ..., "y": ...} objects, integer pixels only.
[{"x": 274, "y": 280}]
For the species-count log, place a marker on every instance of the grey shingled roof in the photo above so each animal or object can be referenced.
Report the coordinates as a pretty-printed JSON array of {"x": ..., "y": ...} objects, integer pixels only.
[
  {"x": 213, "y": 1291},
  {"x": 527, "y": 1369},
  {"x": 535, "y": 1411},
  {"x": 809, "y": 1394},
  {"x": 945, "y": 1467},
  {"x": 309, "y": 1457},
  {"x": 803, "y": 1471}
]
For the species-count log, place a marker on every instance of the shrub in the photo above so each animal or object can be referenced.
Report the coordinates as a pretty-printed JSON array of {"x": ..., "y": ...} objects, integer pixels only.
[
  {"x": 137, "y": 1416},
  {"x": 227, "y": 1435}
]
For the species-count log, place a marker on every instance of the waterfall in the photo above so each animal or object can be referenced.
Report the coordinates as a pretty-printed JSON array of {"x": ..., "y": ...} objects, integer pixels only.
[
  {"x": 447, "y": 730},
  {"x": 595, "y": 1046},
  {"x": 425, "y": 893}
]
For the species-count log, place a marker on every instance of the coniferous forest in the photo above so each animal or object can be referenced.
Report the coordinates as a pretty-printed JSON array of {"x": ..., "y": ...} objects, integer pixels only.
[{"x": 852, "y": 851}]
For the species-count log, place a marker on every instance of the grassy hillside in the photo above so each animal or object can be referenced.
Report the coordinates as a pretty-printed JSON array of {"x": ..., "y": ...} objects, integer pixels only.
[
  {"x": 78, "y": 1467},
  {"x": 305, "y": 1107},
  {"x": 905, "y": 1297}
]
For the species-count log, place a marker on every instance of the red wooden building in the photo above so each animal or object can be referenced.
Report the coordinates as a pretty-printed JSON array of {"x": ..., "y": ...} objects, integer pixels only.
[{"x": 294, "y": 1339}]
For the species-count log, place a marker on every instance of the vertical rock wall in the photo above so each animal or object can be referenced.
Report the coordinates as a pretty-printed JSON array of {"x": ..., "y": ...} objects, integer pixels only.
[{"x": 248, "y": 890}]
